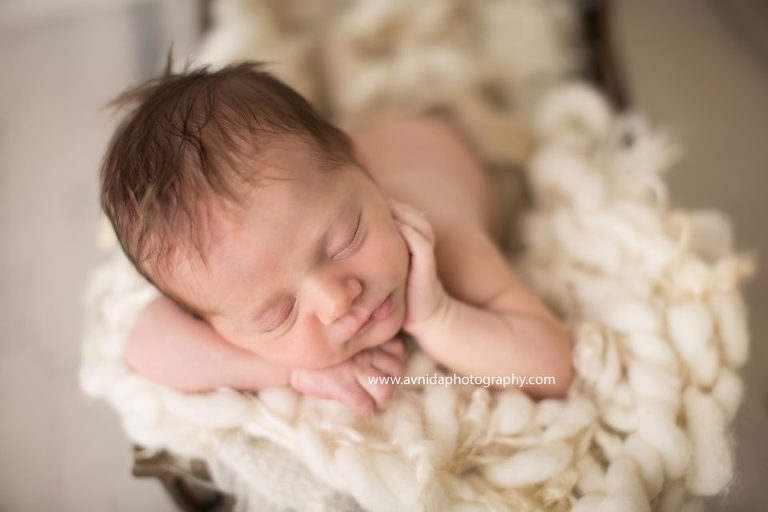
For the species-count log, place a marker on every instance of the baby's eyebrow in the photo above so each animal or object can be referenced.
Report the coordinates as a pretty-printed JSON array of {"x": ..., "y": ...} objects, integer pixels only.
[{"x": 319, "y": 248}]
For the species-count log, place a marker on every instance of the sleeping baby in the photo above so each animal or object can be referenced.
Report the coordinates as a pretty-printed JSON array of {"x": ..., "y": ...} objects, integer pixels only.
[{"x": 292, "y": 253}]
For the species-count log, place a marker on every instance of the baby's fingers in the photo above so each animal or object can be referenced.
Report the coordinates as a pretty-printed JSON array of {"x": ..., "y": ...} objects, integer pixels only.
[
  {"x": 360, "y": 401},
  {"x": 376, "y": 384},
  {"x": 387, "y": 363},
  {"x": 396, "y": 347},
  {"x": 411, "y": 216},
  {"x": 423, "y": 252}
]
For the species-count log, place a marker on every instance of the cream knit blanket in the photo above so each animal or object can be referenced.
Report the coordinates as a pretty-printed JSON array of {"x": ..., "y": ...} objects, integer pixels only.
[{"x": 650, "y": 294}]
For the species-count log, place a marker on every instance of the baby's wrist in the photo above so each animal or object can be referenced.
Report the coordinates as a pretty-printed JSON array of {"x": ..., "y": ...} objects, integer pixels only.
[{"x": 427, "y": 328}]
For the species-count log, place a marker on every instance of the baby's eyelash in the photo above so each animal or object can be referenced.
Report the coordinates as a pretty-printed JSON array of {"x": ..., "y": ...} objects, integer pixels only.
[
  {"x": 357, "y": 228},
  {"x": 295, "y": 303},
  {"x": 288, "y": 317},
  {"x": 355, "y": 236}
]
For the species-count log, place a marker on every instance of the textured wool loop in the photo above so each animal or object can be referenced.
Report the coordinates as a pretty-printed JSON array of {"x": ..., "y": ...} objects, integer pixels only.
[{"x": 650, "y": 294}]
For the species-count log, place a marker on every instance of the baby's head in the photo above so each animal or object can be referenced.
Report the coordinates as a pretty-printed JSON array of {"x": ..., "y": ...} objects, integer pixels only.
[{"x": 238, "y": 201}]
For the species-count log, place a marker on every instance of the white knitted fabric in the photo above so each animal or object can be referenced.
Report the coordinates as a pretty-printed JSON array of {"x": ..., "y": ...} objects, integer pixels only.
[
  {"x": 351, "y": 58},
  {"x": 650, "y": 294}
]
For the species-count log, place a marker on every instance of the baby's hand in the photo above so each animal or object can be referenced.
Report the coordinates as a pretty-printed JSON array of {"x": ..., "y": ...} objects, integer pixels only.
[
  {"x": 348, "y": 381},
  {"x": 425, "y": 296}
]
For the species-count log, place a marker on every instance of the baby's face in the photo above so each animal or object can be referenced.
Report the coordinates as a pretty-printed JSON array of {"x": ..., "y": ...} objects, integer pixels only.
[{"x": 302, "y": 267}]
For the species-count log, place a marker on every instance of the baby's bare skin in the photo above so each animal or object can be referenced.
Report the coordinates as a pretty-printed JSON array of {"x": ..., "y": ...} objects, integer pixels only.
[
  {"x": 424, "y": 163},
  {"x": 354, "y": 381},
  {"x": 168, "y": 346},
  {"x": 495, "y": 325}
]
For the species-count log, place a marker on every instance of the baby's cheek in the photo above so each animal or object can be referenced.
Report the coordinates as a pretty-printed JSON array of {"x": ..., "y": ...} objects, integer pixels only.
[
  {"x": 399, "y": 255},
  {"x": 237, "y": 336},
  {"x": 238, "y": 339},
  {"x": 222, "y": 328},
  {"x": 303, "y": 347},
  {"x": 383, "y": 259}
]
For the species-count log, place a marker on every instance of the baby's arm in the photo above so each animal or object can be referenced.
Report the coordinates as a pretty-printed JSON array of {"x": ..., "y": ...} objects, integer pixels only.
[
  {"x": 170, "y": 347},
  {"x": 510, "y": 332}
]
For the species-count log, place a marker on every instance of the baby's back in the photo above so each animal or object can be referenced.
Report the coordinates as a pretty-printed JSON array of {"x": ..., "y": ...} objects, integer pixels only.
[{"x": 427, "y": 163}]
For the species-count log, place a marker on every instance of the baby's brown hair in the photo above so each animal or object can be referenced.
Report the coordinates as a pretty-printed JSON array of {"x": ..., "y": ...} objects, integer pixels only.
[{"x": 191, "y": 133}]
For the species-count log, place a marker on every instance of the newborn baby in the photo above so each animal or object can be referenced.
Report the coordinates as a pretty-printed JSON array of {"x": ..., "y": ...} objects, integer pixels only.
[{"x": 291, "y": 253}]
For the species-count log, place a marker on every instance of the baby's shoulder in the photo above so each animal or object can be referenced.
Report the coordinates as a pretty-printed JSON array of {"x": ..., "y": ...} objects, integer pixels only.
[
  {"x": 470, "y": 263},
  {"x": 425, "y": 162}
]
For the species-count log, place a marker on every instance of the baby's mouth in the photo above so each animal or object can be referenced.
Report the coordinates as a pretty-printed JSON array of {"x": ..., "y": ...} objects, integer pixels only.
[{"x": 381, "y": 312}]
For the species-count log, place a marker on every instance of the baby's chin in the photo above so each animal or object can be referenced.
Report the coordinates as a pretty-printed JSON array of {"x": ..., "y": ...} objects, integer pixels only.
[
  {"x": 386, "y": 333},
  {"x": 356, "y": 346}
]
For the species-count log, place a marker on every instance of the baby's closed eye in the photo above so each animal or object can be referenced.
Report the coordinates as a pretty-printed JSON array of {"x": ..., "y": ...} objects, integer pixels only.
[
  {"x": 277, "y": 318},
  {"x": 355, "y": 237},
  {"x": 281, "y": 315}
]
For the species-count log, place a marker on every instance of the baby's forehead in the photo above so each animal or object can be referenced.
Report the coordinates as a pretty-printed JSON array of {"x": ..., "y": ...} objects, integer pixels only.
[
  {"x": 273, "y": 225},
  {"x": 291, "y": 194}
]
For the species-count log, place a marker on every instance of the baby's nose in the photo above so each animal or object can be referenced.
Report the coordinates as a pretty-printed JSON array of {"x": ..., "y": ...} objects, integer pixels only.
[{"x": 336, "y": 298}]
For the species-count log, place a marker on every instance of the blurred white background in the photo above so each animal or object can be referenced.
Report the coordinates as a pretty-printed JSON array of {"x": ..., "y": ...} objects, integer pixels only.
[
  {"x": 695, "y": 66},
  {"x": 60, "y": 61}
]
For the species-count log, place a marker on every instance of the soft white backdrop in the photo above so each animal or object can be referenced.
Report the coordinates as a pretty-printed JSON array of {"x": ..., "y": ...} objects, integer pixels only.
[{"x": 59, "y": 450}]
